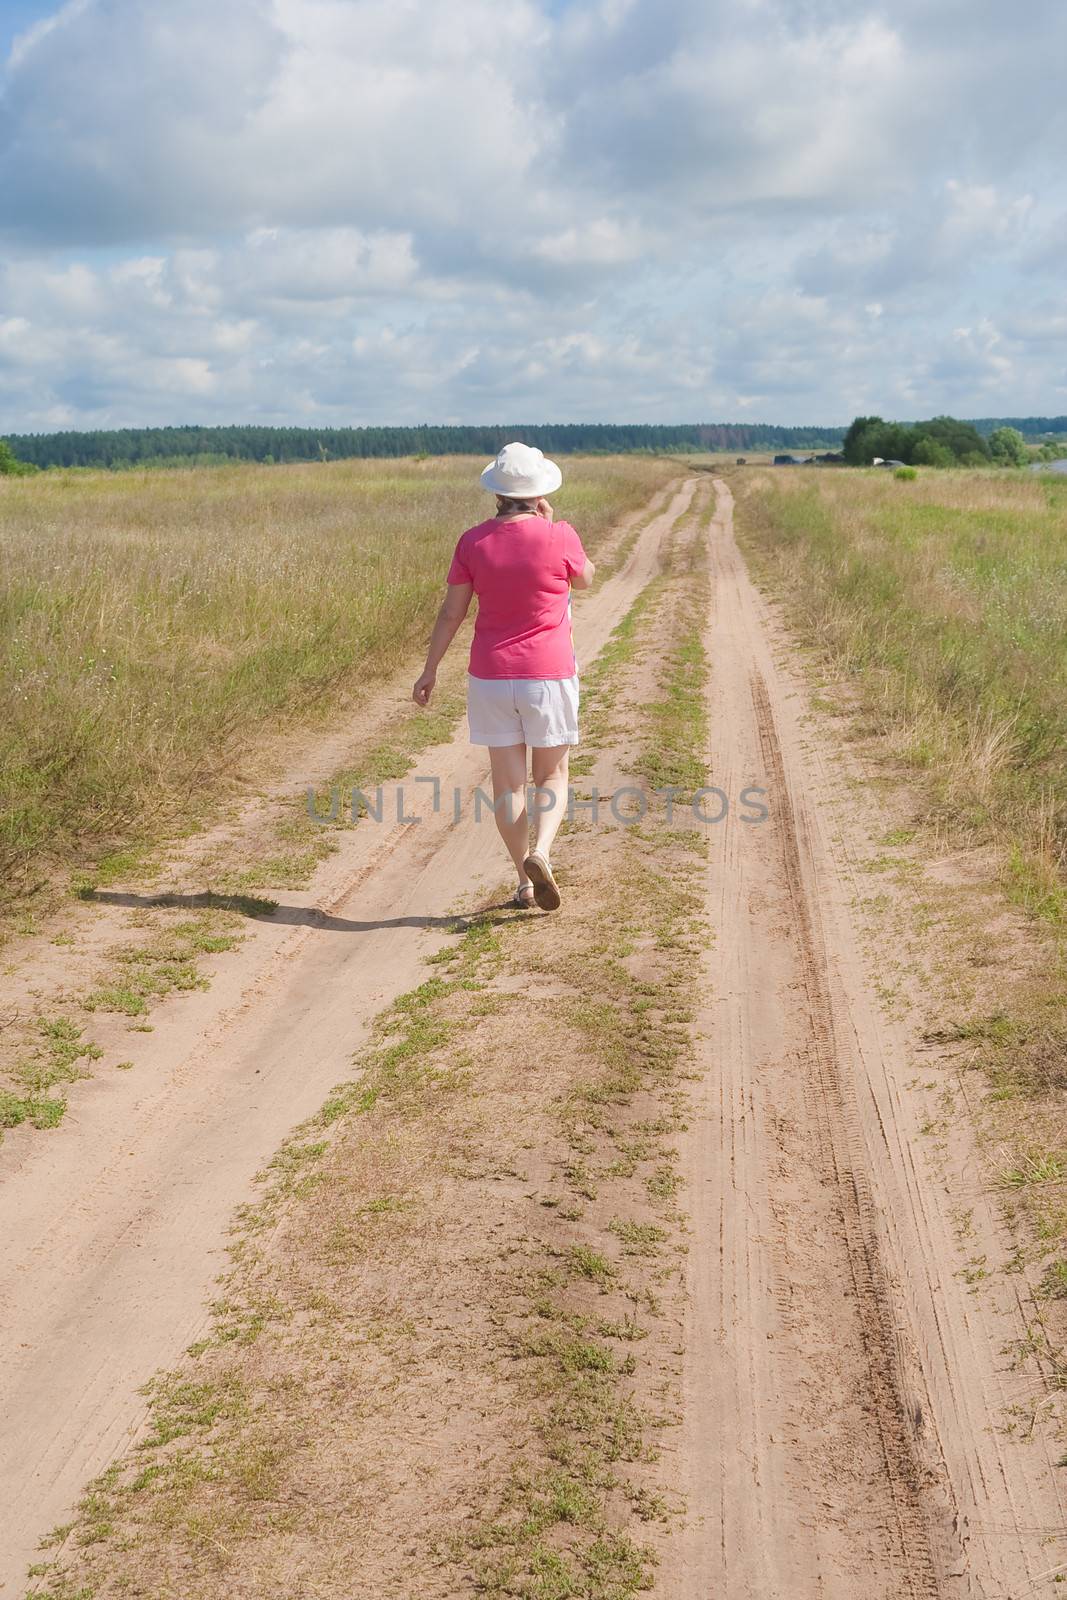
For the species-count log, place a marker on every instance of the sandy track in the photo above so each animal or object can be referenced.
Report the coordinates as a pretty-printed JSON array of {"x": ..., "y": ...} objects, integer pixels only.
[
  {"x": 845, "y": 1397},
  {"x": 114, "y": 1226}
]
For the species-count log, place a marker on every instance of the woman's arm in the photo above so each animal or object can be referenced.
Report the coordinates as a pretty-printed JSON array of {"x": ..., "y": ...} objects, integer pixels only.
[
  {"x": 584, "y": 578},
  {"x": 454, "y": 608}
]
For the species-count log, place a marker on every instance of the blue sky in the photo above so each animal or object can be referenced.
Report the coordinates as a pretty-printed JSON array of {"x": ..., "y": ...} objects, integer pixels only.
[
  {"x": 18, "y": 15},
  {"x": 477, "y": 210}
]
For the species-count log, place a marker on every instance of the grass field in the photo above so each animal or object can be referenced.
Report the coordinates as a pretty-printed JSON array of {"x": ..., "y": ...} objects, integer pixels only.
[
  {"x": 152, "y": 624},
  {"x": 945, "y": 599}
]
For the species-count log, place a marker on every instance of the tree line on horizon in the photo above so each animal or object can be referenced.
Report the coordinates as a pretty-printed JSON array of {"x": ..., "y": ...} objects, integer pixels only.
[
  {"x": 944, "y": 441},
  {"x": 127, "y": 447}
]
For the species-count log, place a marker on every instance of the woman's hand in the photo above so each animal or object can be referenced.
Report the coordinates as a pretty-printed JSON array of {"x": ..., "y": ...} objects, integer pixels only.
[
  {"x": 454, "y": 608},
  {"x": 545, "y": 510}
]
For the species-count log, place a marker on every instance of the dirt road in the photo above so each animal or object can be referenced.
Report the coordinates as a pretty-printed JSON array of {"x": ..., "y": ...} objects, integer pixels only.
[
  {"x": 845, "y": 1396},
  {"x": 848, "y": 1400},
  {"x": 114, "y": 1230}
]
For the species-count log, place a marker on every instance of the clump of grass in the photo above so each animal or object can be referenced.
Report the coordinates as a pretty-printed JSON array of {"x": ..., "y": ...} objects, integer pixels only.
[
  {"x": 591, "y": 1264},
  {"x": 1054, "y": 1281},
  {"x": 1022, "y": 1047},
  {"x": 1033, "y": 1167},
  {"x": 166, "y": 964},
  {"x": 639, "y": 1238},
  {"x": 55, "y": 1059}
]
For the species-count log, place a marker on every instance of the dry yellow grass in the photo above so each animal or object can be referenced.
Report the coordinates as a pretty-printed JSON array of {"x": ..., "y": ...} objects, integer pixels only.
[
  {"x": 946, "y": 599},
  {"x": 152, "y": 623}
]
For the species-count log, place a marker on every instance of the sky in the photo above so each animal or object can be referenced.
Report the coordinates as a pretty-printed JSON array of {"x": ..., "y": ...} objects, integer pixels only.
[{"x": 398, "y": 211}]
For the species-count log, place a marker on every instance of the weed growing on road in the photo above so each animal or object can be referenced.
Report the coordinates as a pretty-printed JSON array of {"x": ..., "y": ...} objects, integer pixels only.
[
  {"x": 165, "y": 965},
  {"x": 57, "y": 1058}
]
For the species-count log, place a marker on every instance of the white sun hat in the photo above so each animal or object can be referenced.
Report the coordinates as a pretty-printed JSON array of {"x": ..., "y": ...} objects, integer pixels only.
[{"x": 521, "y": 473}]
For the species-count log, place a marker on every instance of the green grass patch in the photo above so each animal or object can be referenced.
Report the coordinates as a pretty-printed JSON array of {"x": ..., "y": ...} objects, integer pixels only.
[
  {"x": 56, "y": 1058},
  {"x": 166, "y": 964}
]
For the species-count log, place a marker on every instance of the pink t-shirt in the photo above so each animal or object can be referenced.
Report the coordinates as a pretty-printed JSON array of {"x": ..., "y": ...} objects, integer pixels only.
[{"x": 521, "y": 570}]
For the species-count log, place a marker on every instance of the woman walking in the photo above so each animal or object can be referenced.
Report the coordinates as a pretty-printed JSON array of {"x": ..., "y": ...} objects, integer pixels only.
[{"x": 522, "y": 684}]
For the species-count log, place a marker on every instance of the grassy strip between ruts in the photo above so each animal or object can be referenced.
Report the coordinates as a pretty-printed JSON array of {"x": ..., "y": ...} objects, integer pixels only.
[
  {"x": 675, "y": 754},
  {"x": 444, "y": 1352}
]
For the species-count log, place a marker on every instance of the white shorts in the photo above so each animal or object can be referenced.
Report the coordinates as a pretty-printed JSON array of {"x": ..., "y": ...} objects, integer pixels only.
[{"x": 540, "y": 712}]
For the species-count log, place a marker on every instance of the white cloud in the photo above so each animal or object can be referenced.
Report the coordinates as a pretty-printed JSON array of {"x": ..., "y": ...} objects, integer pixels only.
[
  {"x": 600, "y": 242},
  {"x": 400, "y": 209}
]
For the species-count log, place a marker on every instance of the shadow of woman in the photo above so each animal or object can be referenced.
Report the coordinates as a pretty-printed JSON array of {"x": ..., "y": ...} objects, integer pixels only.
[{"x": 293, "y": 916}]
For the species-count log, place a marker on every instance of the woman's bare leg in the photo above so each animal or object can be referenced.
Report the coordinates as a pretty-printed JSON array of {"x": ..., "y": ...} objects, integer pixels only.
[
  {"x": 550, "y": 772},
  {"x": 508, "y": 764}
]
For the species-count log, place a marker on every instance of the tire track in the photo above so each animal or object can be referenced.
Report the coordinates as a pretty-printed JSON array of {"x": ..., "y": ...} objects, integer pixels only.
[
  {"x": 798, "y": 1457},
  {"x": 836, "y": 1121},
  {"x": 850, "y": 1414}
]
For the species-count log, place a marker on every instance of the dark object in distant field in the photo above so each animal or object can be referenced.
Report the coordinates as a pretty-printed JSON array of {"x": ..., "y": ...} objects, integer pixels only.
[
  {"x": 742, "y": 461},
  {"x": 829, "y": 459}
]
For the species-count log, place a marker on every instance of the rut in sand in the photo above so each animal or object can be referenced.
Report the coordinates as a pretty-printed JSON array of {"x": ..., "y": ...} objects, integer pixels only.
[{"x": 845, "y": 1397}]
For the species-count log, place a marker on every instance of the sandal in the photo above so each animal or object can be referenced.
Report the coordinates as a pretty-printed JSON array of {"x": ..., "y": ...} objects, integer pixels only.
[
  {"x": 524, "y": 896},
  {"x": 545, "y": 888}
]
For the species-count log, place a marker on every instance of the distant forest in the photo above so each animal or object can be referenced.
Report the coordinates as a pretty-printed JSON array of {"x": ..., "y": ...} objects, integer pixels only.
[
  {"x": 1030, "y": 427},
  {"x": 191, "y": 444},
  {"x": 134, "y": 447}
]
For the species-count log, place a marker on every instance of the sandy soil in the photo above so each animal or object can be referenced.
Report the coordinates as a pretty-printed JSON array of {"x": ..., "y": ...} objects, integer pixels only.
[
  {"x": 844, "y": 1397},
  {"x": 847, "y": 1399}
]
